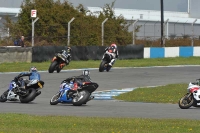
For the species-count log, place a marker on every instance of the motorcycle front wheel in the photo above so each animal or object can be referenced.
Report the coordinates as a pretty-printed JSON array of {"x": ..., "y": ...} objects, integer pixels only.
[
  {"x": 102, "y": 66},
  {"x": 186, "y": 101},
  {"x": 3, "y": 97},
  {"x": 52, "y": 66},
  {"x": 81, "y": 98},
  {"x": 54, "y": 99}
]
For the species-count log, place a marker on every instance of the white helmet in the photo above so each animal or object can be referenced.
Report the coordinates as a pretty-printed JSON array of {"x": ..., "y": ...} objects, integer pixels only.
[
  {"x": 33, "y": 69},
  {"x": 86, "y": 72}
]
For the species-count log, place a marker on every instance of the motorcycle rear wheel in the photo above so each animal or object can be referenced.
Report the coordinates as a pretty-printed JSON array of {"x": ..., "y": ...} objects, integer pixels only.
[
  {"x": 3, "y": 97},
  {"x": 186, "y": 101},
  {"x": 102, "y": 66},
  {"x": 28, "y": 97},
  {"x": 54, "y": 99},
  {"x": 52, "y": 66},
  {"x": 81, "y": 99}
]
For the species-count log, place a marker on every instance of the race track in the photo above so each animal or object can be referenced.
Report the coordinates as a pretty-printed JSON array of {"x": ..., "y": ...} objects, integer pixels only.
[{"x": 117, "y": 78}]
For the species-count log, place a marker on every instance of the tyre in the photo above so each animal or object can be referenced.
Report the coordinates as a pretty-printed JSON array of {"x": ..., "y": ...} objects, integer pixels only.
[
  {"x": 108, "y": 68},
  {"x": 3, "y": 97},
  {"x": 186, "y": 101},
  {"x": 102, "y": 66},
  {"x": 54, "y": 99},
  {"x": 28, "y": 97},
  {"x": 52, "y": 66},
  {"x": 58, "y": 69},
  {"x": 81, "y": 98}
]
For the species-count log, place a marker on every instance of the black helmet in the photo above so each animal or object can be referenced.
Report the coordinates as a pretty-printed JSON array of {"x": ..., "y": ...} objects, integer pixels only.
[{"x": 69, "y": 49}]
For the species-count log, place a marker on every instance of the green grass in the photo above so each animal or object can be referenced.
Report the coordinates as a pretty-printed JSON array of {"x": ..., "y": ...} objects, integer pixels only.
[
  {"x": 22, "y": 123},
  {"x": 22, "y": 66},
  {"x": 18, "y": 123},
  {"x": 162, "y": 94}
]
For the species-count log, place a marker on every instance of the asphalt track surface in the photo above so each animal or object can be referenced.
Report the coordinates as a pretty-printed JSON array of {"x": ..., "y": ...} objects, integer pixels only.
[{"x": 117, "y": 78}]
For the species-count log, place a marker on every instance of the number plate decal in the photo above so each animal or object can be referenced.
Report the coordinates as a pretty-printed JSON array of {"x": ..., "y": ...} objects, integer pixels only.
[{"x": 39, "y": 85}]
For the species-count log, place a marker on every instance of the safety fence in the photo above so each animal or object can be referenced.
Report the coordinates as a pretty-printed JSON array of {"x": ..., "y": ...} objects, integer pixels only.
[{"x": 45, "y": 53}]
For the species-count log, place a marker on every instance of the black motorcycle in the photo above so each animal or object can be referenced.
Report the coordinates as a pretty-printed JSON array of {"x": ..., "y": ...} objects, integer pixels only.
[
  {"x": 58, "y": 62},
  {"x": 25, "y": 95},
  {"x": 104, "y": 62}
]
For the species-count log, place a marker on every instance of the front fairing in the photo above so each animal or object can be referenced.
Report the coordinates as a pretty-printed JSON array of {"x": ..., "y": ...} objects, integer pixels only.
[
  {"x": 192, "y": 87},
  {"x": 107, "y": 57},
  {"x": 195, "y": 90},
  {"x": 12, "y": 85},
  {"x": 62, "y": 56},
  {"x": 196, "y": 95},
  {"x": 63, "y": 96}
]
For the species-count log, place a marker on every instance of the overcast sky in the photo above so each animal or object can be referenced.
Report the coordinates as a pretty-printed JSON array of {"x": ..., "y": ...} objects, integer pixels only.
[{"x": 169, "y": 5}]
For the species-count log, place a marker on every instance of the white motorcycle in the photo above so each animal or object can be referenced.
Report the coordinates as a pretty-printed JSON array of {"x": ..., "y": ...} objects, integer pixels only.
[
  {"x": 192, "y": 98},
  {"x": 27, "y": 95}
]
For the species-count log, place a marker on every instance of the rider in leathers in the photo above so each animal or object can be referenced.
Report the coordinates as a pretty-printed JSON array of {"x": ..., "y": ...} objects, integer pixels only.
[
  {"x": 113, "y": 51},
  {"x": 76, "y": 81},
  {"x": 33, "y": 75},
  {"x": 67, "y": 55}
]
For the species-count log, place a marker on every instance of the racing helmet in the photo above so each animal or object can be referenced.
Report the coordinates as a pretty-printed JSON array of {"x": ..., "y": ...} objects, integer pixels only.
[
  {"x": 69, "y": 49},
  {"x": 113, "y": 45},
  {"x": 33, "y": 69},
  {"x": 86, "y": 72}
]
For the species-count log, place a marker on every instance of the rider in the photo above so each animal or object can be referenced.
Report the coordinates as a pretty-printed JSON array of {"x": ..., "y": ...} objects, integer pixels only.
[
  {"x": 74, "y": 82},
  {"x": 67, "y": 55},
  {"x": 113, "y": 51},
  {"x": 33, "y": 75}
]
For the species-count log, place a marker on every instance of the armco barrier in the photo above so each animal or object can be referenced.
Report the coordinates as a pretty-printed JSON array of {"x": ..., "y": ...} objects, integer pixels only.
[
  {"x": 15, "y": 54},
  {"x": 160, "y": 52}
]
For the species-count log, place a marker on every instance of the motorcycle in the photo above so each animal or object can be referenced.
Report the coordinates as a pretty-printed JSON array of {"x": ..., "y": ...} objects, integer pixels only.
[
  {"x": 79, "y": 97},
  {"x": 104, "y": 62},
  {"x": 14, "y": 92},
  {"x": 58, "y": 62},
  {"x": 192, "y": 98}
]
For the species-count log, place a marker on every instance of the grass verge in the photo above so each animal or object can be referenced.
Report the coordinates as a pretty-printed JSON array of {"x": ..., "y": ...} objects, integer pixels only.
[
  {"x": 162, "y": 94},
  {"x": 18, "y": 123},
  {"x": 22, "y": 66},
  {"x": 21, "y": 123}
]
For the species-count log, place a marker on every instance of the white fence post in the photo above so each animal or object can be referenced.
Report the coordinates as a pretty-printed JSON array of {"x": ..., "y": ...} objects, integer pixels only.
[
  {"x": 134, "y": 31},
  {"x": 68, "y": 36},
  {"x": 102, "y": 30},
  {"x": 193, "y": 32},
  {"x": 33, "y": 29}
]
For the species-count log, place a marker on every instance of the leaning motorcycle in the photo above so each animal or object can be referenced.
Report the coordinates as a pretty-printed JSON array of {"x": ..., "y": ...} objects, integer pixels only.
[
  {"x": 58, "y": 62},
  {"x": 192, "y": 98},
  {"x": 105, "y": 61},
  {"x": 28, "y": 94},
  {"x": 79, "y": 97}
]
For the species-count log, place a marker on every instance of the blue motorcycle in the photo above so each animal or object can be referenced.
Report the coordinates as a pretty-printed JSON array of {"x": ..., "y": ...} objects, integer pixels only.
[{"x": 81, "y": 96}]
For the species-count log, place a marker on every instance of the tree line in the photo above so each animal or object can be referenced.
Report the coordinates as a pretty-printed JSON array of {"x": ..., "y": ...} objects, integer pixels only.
[{"x": 52, "y": 26}]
